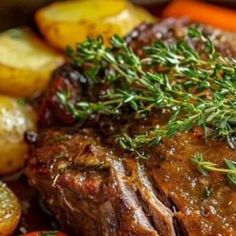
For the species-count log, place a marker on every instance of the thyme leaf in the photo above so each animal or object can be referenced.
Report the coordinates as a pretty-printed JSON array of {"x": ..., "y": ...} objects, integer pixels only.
[
  {"x": 205, "y": 167},
  {"x": 197, "y": 91}
]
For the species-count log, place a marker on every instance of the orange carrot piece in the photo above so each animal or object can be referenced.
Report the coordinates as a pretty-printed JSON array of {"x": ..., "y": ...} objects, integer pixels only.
[{"x": 203, "y": 12}]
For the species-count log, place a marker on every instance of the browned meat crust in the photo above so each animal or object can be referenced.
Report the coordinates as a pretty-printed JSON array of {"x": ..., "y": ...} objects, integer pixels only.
[
  {"x": 95, "y": 188},
  {"x": 88, "y": 186}
]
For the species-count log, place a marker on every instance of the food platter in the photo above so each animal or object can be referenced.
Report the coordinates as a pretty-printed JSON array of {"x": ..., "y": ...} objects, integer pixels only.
[{"x": 116, "y": 121}]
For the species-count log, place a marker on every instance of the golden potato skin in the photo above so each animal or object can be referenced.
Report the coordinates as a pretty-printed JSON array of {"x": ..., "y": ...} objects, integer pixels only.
[
  {"x": 15, "y": 119},
  {"x": 10, "y": 211},
  {"x": 25, "y": 63},
  {"x": 66, "y": 23}
]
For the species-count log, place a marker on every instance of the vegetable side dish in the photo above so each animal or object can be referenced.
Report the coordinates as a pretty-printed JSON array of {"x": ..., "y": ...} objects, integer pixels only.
[
  {"x": 59, "y": 21},
  {"x": 25, "y": 63},
  {"x": 121, "y": 125}
]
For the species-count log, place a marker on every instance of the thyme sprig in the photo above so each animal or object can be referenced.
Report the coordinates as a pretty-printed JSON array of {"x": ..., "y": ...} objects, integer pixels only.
[
  {"x": 196, "y": 90},
  {"x": 205, "y": 167}
]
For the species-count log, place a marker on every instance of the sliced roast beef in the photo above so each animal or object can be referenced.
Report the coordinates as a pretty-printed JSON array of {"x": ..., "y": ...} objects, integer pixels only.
[
  {"x": 91, "y": 190},
  {"x": 96, "y": 188}
]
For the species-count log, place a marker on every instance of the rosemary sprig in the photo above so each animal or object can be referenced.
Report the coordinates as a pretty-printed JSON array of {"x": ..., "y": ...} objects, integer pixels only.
[
  {"x": 205, "y": 167},
  {"x": 197, "y": 91}
]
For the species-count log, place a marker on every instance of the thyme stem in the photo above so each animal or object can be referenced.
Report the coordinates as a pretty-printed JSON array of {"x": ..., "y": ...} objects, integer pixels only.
[
  {"x": 197, "y": 91},
  {"x": 205, "y": 166}
]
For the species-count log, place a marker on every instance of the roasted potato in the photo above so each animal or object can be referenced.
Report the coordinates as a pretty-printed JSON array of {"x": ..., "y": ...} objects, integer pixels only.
[
  {"x": 15, "y": 119},
  {"x": 65, "y": 23},
  {"x": 25, "y": 63},
  {"x": 10, "y": 211}
]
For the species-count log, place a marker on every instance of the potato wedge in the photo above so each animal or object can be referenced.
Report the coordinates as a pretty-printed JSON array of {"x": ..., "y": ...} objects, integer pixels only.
[
  {"x": 10, "y": 211},
  {"x": 25, "y": 63},
  {"x": 15, "y": 119},
  {"x": 65, "y": 23}
]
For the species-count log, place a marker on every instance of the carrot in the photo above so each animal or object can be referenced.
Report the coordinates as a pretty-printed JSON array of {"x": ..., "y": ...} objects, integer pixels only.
[{"x": 203, "y": 12}]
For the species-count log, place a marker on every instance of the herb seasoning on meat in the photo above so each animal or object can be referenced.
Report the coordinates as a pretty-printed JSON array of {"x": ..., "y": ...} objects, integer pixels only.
[
  {"x": 166, "y": 96},
  {"x": 196, "y": 91}
]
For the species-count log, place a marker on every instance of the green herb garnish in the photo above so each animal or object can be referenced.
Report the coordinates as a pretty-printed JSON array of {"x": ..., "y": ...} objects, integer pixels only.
[
  {"x": 205, "y": 167},
  {"x": 208, "y": 192},
  {"x": 197, "y": 91}
]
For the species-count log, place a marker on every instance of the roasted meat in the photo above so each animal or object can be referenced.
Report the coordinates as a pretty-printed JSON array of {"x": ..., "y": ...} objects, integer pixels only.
[{"x": 94, "y": 187}]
